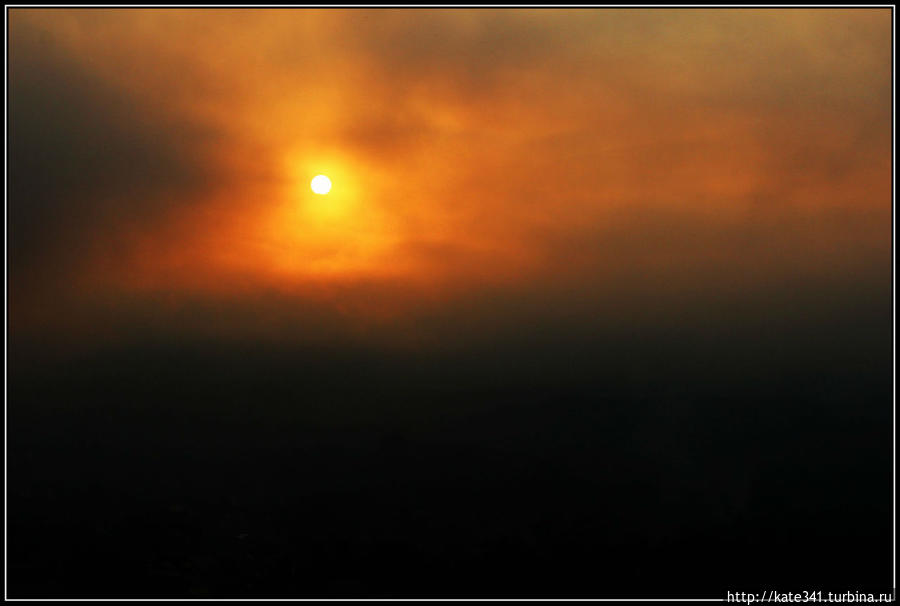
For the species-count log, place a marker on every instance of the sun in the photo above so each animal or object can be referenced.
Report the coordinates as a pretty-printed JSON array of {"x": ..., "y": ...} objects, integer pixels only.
[{"x": 320, "y": 184}]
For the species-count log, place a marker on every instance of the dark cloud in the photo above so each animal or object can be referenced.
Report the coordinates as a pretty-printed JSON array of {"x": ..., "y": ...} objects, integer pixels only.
[{"x": 88, "y": 162}]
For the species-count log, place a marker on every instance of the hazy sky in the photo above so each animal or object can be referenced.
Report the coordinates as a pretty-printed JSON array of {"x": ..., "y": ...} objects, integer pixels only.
[{"x": 527, "y": 167}]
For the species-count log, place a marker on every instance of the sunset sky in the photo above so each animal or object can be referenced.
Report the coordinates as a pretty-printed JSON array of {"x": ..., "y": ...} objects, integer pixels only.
[
  {"x": 490, "y": 167},
  {"x": 599, "y": 304}
]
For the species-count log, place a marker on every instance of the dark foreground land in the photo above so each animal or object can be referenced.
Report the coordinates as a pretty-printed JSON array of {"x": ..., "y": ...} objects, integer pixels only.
[{"x": 680, "y": 464}]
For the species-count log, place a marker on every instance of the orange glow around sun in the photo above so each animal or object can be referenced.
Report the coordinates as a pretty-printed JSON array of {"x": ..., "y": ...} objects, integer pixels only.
[{"x": 590, "y": 153}]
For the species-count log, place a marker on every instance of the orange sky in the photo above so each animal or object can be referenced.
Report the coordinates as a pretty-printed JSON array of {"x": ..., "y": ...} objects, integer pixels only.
[{"x": 566, "y": 162}]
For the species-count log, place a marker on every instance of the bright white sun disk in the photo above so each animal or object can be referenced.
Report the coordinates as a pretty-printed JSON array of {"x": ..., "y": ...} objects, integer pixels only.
[{"x": 320, "y": 184}]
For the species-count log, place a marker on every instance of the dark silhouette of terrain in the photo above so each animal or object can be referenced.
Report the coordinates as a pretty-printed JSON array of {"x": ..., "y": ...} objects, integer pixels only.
[{"x": 654, "y": 465}]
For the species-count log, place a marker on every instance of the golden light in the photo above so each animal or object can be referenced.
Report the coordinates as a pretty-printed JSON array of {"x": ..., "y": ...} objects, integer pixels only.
[
  {"x": 320, "y": 185},
  {"x": 303, "y": 234}
]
